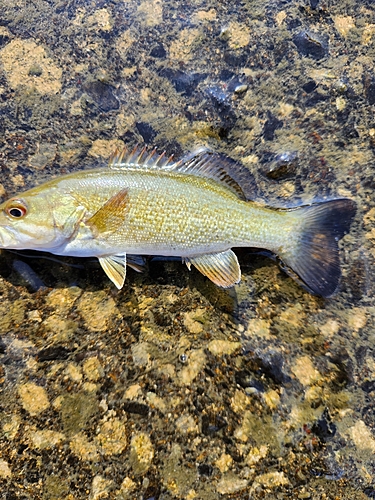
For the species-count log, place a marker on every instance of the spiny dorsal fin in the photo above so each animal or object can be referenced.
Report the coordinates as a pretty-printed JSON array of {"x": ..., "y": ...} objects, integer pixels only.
[
  {"x": 140, "y": 158},
  {"x": 202, "y": 163}
]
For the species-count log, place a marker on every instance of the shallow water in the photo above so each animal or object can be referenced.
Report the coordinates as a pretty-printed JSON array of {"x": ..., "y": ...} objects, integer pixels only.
[{"x": 173, "y": 388}]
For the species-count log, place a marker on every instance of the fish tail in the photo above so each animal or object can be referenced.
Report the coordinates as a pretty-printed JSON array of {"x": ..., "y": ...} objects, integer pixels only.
[{"x": 313, "y": 258}]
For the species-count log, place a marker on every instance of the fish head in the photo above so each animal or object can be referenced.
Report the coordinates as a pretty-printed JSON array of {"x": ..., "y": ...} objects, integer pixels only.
[{"x": 29, "y": 221}]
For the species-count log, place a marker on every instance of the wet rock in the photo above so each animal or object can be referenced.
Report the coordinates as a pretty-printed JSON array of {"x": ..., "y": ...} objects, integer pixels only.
[
  {"x": 305, "y": 371},
  {"x": 324, "y": 428},
  {"x": 271, "y": 125},
  {"x": 76, "y": 411},
  {"x": 158, "y": 51},
  {"x": 17, "y": 58},
  {"x": 5, "y": 35},
  {"x": 34, "y": 398},
  {"x": 46, "y": 438},
  {"x": 212, "y": 423},
  {"x": 83, "y": 448},
  {"x": 311, "y": 44},
  {"x": 5, "y": 471},
  {"x": 369, "y": 85},
  {"x": 230, "y": 484},
  {"x": 309, "y": 86},
  {"x": 184, "y": 83},
  {"x": 205, "y": 470},
  {"x": 137, "y": 408},
  {"x": 53, "y": 353},
  {"x": 111, "y": 439},
  {"x": 141, "y": 453},
  {"x": 102, "y": 94},
  {"x": 281, "y": 166},
  {"x": 93, "y": 369},
  {"x": 44, "y": 155},
  {"x": 147, "y": 132},
  {"x": 314, "y": 4}
]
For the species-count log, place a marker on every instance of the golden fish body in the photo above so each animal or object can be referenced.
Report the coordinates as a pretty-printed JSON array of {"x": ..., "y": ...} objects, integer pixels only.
[{"x": 192, "y": 208}]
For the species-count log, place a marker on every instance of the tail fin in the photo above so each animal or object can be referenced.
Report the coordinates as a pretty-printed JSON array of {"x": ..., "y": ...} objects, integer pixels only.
[{"x": 314, "y": 259}]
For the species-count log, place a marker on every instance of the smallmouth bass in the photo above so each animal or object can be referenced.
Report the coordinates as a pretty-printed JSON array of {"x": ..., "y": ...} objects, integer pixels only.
[{"x": 144, "y": 204}]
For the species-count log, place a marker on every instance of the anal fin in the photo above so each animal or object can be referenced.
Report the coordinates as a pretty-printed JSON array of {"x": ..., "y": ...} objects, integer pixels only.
[
  {"x": 221, "y": 268},
  {"x": 115, "y": 268}
]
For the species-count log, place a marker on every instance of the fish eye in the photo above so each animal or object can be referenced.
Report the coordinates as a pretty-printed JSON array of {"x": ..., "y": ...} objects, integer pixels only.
[{"x": 16, "y": 209}]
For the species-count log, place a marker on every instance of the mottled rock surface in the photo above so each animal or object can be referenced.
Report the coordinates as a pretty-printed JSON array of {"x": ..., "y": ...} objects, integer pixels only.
[{"x": 173, "y": 388}]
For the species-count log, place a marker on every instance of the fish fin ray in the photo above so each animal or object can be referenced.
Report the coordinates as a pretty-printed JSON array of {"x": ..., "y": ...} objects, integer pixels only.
[
  {"x": 315, "y": 260},
  {"x": 141, "y": 158},
  {"x": 111, "y": 215},
  {"x": 206, "y": 163},
  {"x": 221, "y": 268},
  {"x": 136, "y": 262},
  {"x": 202, "y": 162},
  {"x": 114, "y": 267}
]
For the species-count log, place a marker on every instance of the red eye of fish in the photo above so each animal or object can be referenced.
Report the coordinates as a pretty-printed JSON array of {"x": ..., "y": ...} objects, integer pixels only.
[{"x": 16, "y": 209}]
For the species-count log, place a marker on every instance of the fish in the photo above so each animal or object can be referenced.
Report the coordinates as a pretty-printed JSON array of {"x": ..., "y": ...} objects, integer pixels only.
[{"x": 197, "y": 208}]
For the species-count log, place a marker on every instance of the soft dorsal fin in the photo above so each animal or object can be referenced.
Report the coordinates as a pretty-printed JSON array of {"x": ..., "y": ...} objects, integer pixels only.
[{"x": 202, "y": 163}]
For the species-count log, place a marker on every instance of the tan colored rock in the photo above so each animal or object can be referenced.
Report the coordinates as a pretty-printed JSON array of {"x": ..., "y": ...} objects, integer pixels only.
[
  {"x": 141, "y": 453},
  {"x": 195, "y": 364},
  {"x": 34, "y": 398},
  {"x": 224, "y": 462},
  {"x": 186, "y": 424},
  {"x": 362, "y": 436},
  {"x": 27, "y": 64},
  {"x": 238, "y": 35},
  {"x": 45, "y": 439},
  {"x": 100, "y": 488},
  {"x": 230, "y": 484},
  {"x": 240, "y": 401},
  {"x": 97, "y": 310},
  {"x": 5, "y": 471},
  {"x": 111, "y": 438},
  {"x": 343, "y": 24},
  {"x": 305, "y": 371},
  {"x": 255, "y": 455},
  {"x": 93, "y": 369},
  {"x": 150, "y": 12},
  {"x": 83, "y": 448},
  {"x": 223, "y": 347},
  {"x": 100, "y": 20},
  {"x": 133, "y": 391},
  {"x": 271, "y": 480},
  {"x": 103, "y": 148}
]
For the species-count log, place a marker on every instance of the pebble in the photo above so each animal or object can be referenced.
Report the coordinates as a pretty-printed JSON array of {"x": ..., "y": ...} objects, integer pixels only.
[
  {"x": 231, "y": 484},
  {"x": 141, "y": 453},
  {"x": 5, "y": 471},
  {"x": 311, "y": 44},
  {"x": 34, "y": 398},
  {"x": 305, "y": 371},
  {"x": 111, "y": 439}
]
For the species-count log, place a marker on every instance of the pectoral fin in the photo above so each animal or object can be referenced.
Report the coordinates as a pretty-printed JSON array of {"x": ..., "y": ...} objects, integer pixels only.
[
  {"x": 115, "y": 268},
  {"x": 222, "y": 268},
  {"x": 111, "y": 215}
]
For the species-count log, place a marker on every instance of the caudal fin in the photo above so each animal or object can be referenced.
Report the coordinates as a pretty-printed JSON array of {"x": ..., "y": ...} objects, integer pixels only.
[{"x": 314, "y": 257}]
